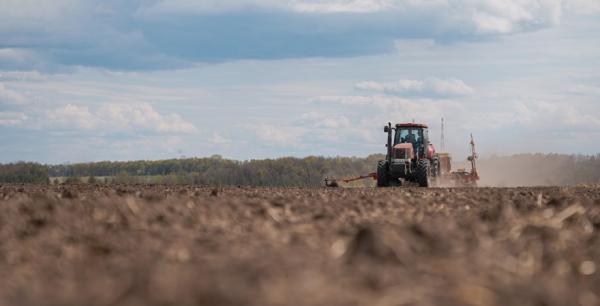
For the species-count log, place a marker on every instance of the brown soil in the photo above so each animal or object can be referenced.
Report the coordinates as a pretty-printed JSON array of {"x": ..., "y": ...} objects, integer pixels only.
[{"x": 158, "y": 245}]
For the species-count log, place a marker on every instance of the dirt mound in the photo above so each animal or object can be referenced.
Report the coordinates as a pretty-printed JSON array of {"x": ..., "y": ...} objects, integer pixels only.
[{"x": 187, "y": 245}]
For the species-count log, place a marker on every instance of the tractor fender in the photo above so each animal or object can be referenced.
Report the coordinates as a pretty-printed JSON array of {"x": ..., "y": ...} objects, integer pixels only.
[{"x": 430, "y": 151}]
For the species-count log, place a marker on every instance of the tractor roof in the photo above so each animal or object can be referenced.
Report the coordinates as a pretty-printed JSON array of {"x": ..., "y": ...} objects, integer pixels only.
[{"x": 413, "y": 125}]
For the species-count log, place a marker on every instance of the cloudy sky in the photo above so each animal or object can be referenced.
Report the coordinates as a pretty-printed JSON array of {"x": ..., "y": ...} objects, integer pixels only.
[{"x": 89, "y": 80}]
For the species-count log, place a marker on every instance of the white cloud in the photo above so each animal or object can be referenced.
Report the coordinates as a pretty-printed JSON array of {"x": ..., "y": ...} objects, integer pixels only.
[
  {"x": 582, "y": 6},
  {"x": 485, "y": 17},
  {"x": 143, "y": 116},
  {"x": 542, "y": 114},
  {"x": 397, "y": 109},
  {"x": 528, "y": 113},
  {"x": 205, "y": 6},
  {"x": 31, "y": 75},
  {"x": 137, "y": 35},
  {"x": 302, "y": 6},
  {"x": 272, "y": 133},
  {"x": 335, "y": 128},
  {"x": 306, "y": 130},
  {"x": 343, "y": 6},
  {"x": 19, "y": 58},
  {"x": 72, "y": 116},
  {"x": 118, "y": 117},
  {"x": 146, "y": 144},
  {"x": 382, "y": 102},
  {"x": 321, "y": 120},
  {"x": 36, "y": 10},
  {"x": 13, "y": 55},
  {"x": 217, "y": 139},
  {"x": 280, "y": 135},
  {"x": 432, "y": 87},
  {"x": 12, "y": 118},
  {"x": 585, "y": 90},
  {"x": 10, "y": 96},
  {"x": 502, "y": 17}
]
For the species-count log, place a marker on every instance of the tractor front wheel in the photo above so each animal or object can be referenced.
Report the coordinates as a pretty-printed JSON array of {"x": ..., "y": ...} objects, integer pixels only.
[
  {"x": 382, "y": 174},
  {"x": 423, "y": 173}
]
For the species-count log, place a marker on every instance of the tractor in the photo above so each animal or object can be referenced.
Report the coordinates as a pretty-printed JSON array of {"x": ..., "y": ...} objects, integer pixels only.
[{"x": 410, "y": 156}]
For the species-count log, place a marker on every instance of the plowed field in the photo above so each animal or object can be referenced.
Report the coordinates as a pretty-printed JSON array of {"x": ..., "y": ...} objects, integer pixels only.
[{"x": 164, "y": 245}]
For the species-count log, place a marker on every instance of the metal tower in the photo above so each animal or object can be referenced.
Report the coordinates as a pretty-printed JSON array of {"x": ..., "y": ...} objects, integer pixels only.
[{"x": 443, "y": 142}]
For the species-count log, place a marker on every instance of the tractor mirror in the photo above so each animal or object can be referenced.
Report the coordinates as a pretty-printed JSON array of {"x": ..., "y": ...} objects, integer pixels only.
[{"x": 386, "y": 129}]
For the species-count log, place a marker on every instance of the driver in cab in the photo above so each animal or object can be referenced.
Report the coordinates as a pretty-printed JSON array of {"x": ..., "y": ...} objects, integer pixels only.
[{"x": 410, "y": 138}]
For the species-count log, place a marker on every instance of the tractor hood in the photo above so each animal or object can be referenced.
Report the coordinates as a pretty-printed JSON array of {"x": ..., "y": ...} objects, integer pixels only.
[{"x": 403, "y": 151}]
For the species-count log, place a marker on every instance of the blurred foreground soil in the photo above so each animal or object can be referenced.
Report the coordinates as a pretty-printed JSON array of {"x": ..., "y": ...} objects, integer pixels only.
[{"x": 165, "y": 245}]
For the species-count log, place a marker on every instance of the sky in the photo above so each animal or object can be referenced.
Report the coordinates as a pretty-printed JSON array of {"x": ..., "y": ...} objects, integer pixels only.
[{"x": 91, "y": 80}]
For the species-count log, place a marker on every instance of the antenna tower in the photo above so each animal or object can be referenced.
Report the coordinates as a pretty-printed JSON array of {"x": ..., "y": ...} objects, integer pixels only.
[{"x": 443, "y": 142}]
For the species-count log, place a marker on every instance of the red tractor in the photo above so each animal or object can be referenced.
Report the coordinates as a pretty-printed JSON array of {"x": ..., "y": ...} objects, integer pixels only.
[{"x": 410, "y": 156}]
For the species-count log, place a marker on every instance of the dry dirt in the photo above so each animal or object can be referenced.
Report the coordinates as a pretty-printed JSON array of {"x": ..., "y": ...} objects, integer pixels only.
[{"x": 160, "y": 245}]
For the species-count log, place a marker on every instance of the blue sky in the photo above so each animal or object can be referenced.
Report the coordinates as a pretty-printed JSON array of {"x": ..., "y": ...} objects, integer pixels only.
[{"x": 88, "y": 80}]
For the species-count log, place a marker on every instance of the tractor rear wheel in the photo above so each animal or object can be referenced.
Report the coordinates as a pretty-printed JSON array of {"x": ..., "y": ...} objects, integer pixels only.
[
  {"x": 423, "y": 173},
  {"x": 382, "y": 174}
]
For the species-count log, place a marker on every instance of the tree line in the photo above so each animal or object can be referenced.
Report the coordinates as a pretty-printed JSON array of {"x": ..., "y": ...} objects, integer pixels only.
[
  {"x": 215, "y": 170},
  {"x": 515, "y": 170},
  {"x": 23, "y": 172}
]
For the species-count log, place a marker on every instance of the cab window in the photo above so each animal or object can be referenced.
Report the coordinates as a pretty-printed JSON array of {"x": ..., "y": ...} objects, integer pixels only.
[{"x": 409, "y": 135}]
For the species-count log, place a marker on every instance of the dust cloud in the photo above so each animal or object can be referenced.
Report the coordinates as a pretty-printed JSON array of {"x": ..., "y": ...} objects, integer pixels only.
[{"x": 536, "y": 170}]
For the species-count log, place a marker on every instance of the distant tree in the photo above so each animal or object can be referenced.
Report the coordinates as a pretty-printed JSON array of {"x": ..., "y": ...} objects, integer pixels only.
[
  {"x": 24, "y": 172},
  {"x": 123, "y": 177}
]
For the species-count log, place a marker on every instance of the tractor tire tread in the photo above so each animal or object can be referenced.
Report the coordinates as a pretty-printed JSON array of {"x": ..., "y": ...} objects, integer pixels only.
[
  {"x": 423, "y": 173},
  {"x": 382, "y": 174}
]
